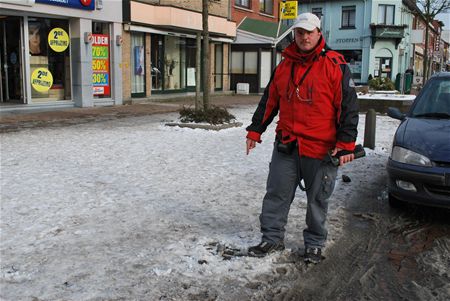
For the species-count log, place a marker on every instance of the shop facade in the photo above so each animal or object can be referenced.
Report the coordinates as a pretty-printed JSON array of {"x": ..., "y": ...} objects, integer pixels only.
[
  {"x": 256, "y": 52},
  {"x": 60, "y": 53},
  {"x": 372, "y": 35},
  {"x": 160, "y": 48}
]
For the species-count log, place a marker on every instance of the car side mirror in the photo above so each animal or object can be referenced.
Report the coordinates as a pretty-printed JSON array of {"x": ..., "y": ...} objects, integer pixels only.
[{"x": 395, "y": 113}]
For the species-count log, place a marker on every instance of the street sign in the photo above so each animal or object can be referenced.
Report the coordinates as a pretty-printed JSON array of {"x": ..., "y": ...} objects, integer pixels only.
[{"x": 288, "y": 10}]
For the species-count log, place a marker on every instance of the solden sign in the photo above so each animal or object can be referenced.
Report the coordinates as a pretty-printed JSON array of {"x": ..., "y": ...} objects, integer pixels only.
[{"x": 100, "y": 65}]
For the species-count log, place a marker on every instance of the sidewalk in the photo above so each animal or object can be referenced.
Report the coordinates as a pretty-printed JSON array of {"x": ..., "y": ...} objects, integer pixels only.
[{"x": 16, "y": 121}]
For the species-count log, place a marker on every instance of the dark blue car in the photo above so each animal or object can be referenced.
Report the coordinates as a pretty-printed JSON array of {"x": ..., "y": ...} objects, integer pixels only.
[{"x": 419, "y": 165}]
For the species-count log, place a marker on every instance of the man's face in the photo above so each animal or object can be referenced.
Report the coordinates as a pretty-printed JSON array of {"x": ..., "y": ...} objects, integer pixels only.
[{"x": 306, "y": 40}]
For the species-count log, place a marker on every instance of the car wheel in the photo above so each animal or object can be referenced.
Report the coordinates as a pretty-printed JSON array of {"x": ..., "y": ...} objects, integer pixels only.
[{"x": 394, "y": 202}]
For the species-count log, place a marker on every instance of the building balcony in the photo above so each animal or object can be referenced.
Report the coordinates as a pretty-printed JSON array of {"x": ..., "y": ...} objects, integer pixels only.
[{"x": 387, "y": 32}]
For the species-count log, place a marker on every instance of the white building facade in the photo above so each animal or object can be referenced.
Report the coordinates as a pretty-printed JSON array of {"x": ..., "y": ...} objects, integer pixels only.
[{"x": 373, "y": 35}]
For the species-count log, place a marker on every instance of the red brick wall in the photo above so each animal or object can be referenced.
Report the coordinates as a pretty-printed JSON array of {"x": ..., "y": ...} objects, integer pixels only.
[{"x": 238, "y": 13}]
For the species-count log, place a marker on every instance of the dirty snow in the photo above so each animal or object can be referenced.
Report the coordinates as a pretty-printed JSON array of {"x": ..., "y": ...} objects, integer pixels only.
[{"x": 132, "y": 209}]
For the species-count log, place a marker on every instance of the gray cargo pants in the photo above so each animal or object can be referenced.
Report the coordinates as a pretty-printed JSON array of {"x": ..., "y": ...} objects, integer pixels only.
[{"x": 285, "y": 174}]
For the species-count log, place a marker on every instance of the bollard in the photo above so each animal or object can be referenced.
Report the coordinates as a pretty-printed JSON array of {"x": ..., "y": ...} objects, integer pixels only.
[{"x": 370, "y": 128}]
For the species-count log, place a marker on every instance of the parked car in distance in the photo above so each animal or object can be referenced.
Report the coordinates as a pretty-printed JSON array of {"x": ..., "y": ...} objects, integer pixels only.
[{"x": 419, "y": 164}]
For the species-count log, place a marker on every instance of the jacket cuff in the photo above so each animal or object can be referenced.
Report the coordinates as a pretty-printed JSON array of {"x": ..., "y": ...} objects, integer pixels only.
[
  {"x": 254, "y": 136},
  {"x": 348, "y": 146}
]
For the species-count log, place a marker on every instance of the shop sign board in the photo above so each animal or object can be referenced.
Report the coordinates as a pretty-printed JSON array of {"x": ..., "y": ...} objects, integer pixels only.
[
  {"x": 19, "y": 2},
  {"x": 79, "y": 4},
  {"x": 100, "y": 64},
  {"x": 288, "y": 10},
  {"x": 41, "y": 80},
  {"x": 58, "y": 39}
]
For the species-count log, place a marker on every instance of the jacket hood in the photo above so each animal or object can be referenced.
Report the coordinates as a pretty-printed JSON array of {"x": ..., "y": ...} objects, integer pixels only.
[
  {"x": 292, "y": 52},
  {"x": 428, "y": 137}
]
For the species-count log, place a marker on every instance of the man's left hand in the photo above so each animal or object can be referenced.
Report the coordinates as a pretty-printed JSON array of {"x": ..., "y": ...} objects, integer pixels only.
[{"x": 343, "y": 159}]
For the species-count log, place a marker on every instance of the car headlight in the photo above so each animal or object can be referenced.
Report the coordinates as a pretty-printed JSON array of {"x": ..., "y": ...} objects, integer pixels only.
[{"x": 404, "y": 155}]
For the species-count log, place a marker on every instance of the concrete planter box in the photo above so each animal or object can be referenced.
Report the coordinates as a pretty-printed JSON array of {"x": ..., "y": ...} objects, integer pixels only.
[{"x": 380, "y": 105}]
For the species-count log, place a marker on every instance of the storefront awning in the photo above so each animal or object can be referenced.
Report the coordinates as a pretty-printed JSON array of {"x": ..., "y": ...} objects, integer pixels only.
[
  {"x": 172, "y": 33},
  {"x": 252, "y": 31}
]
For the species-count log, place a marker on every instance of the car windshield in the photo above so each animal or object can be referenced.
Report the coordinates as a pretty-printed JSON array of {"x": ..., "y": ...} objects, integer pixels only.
[{"x": 434, "y": 101}]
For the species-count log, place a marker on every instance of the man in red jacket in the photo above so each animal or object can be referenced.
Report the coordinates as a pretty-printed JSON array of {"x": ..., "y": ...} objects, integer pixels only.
[{"x": 313, "y": 93}]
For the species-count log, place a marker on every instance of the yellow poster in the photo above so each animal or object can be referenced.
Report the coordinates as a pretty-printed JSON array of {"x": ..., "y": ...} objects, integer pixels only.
[
  {"x": 41, "y": 80},
  {"x": 288, "y": 10},
  {"x": 58, "y": 39}
]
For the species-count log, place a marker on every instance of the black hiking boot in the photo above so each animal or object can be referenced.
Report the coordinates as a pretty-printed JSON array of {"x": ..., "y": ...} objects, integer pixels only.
[
  {"x": 312, "y": 255},
  {"x": 265, "y": 248}
]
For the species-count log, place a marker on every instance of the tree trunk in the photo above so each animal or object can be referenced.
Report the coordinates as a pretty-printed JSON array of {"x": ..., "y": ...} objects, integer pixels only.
[
  {"x": 425, "y": 55},
  {"x": 206, "y": 69},
  {"x": 198, "y": 68}
]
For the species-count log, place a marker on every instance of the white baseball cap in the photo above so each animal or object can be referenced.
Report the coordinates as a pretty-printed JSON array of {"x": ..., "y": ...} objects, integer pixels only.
[{"x": 307, "y": 21}]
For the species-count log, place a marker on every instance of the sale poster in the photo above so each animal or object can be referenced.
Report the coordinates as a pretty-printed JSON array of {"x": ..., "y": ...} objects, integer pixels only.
[{"x": 100, "y": 65}]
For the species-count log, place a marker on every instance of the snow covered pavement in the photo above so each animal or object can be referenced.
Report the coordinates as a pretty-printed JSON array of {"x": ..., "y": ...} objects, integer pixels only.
[{"x": 131, "y": 209}]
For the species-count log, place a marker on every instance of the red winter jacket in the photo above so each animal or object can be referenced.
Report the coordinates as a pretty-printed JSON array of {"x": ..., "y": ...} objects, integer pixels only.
[{"x": 320, "y": 113}]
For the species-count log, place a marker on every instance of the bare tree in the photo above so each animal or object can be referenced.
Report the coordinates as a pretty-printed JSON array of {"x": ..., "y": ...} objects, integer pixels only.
[
  {"x": 206, "y": 69},
  {"x": 430, "y": 8}
]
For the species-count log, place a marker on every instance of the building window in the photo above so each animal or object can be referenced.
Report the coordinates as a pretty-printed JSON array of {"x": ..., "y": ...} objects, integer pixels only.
[
  {"x": 348, "y": 16},
  {"x": 317, "y": 11},
  {"x": 386, "y": 14},
  {"x": 266, "y": 6},
  {"x": 49, "y": 45},
  {"x": 243, "y": 3}
]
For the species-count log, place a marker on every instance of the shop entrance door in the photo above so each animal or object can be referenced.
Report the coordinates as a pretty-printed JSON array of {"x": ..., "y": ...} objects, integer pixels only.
[{"x": 11, "y": 83}]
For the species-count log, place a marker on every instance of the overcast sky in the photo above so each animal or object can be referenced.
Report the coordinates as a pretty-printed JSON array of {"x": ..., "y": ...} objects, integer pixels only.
[{"x": 446, "y": 19}]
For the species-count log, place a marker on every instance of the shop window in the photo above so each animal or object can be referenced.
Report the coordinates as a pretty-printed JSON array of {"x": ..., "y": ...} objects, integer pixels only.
[
  {"x": 317, "y": 11},
  {"x": 182, "y": 43},
  {"x": 266, "y": 6},
  {"x": 174, "y": 65},
  {"x": 237, "y": 62},
  {"x": 101, "y": 75},
  {"x": 266, "y": 68},
  {"x": 218, "y": 66},
  {"x": 244, "y": 62},
  {"x": 11, "y": 60},
  {"x": 138, "y": 64},
  {"x": 191, "y": 59},
  {"x": 49, "y": 47},
  {"x": 386, "y": 14},
  {"x": 251, "y": 62},
  {"x": 243, "y": 3},
  {"x": 354, "y": 62},
  {"x": 156, "y": 64},
  {"x": 348, "y": 17},
  {"x": 383, "y": 67}
]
